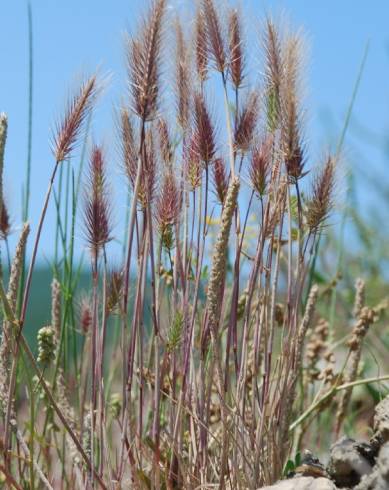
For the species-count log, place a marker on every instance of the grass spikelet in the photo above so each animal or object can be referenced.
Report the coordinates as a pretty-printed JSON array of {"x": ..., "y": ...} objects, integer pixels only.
[
  {"x": 175, "y": 332},
  {"x": 144, "y": 63},
  {"x": 56, "y": 307},
  {"x": 167, "y": 209},
  {"x": 201, "y": 46},
  {"x": 273, "y": 75},
  {"x": 183, "y": 83},
  {"x": 3, "y": 139},
  {"x": 5, "y": 223},
  {"x": 46, "y": 345},
  {"x": 217, "y": 274},
  {"x": 204, "y": 131},
  {"x": 246, "y": 123},
  {"x": 260, "y": 166},
  {"x": 69, "y": 128},
  {"x": 236, "y": 49},
  {"x": 128, "y": 146},
  {"x": 321, "y": 200},
  {"x": 220, "y": 179},
  {"x": 97, "y": 208},
  {"x": 216, "y": 41}
]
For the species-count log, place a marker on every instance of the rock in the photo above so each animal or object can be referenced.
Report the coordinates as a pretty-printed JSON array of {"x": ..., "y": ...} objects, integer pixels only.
[
  {"x": 381, "y": 420},
  {"x": 303, "y": 483},
  {"x": 348, "y": 462},
  {"x": 379, "y": 478}
]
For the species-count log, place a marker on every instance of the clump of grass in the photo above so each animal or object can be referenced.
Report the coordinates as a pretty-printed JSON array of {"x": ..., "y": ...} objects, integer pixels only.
[{"x": 187, "y": 366}]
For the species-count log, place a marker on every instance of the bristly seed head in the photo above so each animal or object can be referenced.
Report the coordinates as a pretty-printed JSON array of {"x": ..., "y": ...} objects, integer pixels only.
[
  {"x": 220, "y": 179},
  {"x": 68, "y": 130},
  {"x": 215, "y": 38},
  {"x": 201, "y": 45},
  {"x": 183, "y": 80},
  {"x": 321, "y": 201},
  {"x": 192, "y": 165},
  {"x": 260, "y": 165},
  {"x": 236, "y": 49},
  {"x": 5, "y": 224},
  {"x": 204, "y": 131},
  {"x": 144, "y": 63},
  {"x": 168, "y": 209},
  {"x": 97, "y": 211},
  {"x": 128, "y": 146},
  {"x": 165, "y": 143},
  {"x": 246, "y": 123}
]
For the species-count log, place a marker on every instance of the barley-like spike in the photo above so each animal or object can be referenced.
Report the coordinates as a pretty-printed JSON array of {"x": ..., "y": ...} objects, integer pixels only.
[
  {"x": 97, "y": 208},
  {"x": 236, "y": 49},
  {"x": 144, "y": 63},
  {"x": 246, "y": 123},
  {"x": 69, "y": 128},
  {"x": 321, "y": 200},
  {"x": 183, "y": 85},
  {"x": 217, "y": 273},
  {"x": 201, "y": 45},
  {"x": 216, "y": 42}
]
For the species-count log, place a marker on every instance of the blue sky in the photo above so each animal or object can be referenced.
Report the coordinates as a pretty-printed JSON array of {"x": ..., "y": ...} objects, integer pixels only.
[{"x": 74, "y": 36}]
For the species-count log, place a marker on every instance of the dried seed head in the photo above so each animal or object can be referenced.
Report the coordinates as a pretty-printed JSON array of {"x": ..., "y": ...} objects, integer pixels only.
[
  {"x": 128, "y": 146},
  {"x": 219, "y": 258},
  {"x": 292, "y": 134},
  {"x": 220, "y": 179},
  {"x": 192, "y": 165},
  {"x": 168, "y": 208},
  {"x": 144, "y": 55},
  {"x": 69, "y": 128},
  {"x": 236, "y": 49},
  {"x": 260, "y": 166},
  {"x": 3, "y": 139},
  {"x": 5, "y": 224},
  {"x": 56, "y": 307},
  {"x": 204, "y": 131},
  {"x": 46, "y": 345},
  {"x": 165, "y": 143},
  {"x": 148, "y": 172},
  {"x": 97, "y": 214},
  {"x": 85, "y": 314},
  {"x": 246, "y": 123},
  {"x": 183, "y": 84},
  {"x": 321, "y": 200},
  {"x": 215, "y": 38},
  {"x": 115, "y": 285},
  {"x": 273, "y": 74},
  {"x": 201, "y": 46}
]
